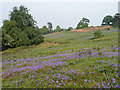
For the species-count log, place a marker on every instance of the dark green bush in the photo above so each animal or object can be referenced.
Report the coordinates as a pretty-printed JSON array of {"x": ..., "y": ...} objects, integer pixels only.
[
  {"x": 20, "y": 30},
  {"x": 44, "y": 30},
  {"x": 69, "y": 29},
  {"x": 97, "y": 34},
  {"x": 58, "y": 29}
]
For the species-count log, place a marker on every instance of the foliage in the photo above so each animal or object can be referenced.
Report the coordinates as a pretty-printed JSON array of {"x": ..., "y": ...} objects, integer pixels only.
[
  {"x": 44, "y": 30},
  {"x": 83, "y": 23},
  {"x": 22, "y": 18},
  {"x": 58, "y": 29},
  {"x": 112, "y": 20},
  {"x": 108, "y": 20},
  {"x": 97, "y": 34},
  {"x": 49, "y": 27},
  {"x": 74, "y": 61},
  {"x": 69, "y": 29},
  {"x": 20, "y": 30},
  {"x": 116, "y": 20}
]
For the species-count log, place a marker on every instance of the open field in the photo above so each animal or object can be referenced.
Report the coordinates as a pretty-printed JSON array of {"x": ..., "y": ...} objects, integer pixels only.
[{"x": 64, "y": 60}]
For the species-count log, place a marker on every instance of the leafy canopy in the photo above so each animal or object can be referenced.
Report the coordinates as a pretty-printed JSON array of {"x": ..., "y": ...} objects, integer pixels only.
[
  {"x": 44, "y": 30},
  {"x": 83, "y": 23},
  {"x": 112, "y": 20},
  {"x": 116, "y": 20},
  {"x": 69, "y": 29},
  {"x": 49, "y": 26},
  {"x": 108, "y": 20},
  {"x": 20, "y": 29},
  {"x": 58, "y": 29}
]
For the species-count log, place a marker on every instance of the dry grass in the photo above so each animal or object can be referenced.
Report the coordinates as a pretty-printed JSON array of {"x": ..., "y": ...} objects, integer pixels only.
[
  {"x": 49, "y": 43},
  {"x": 88, "y": 29}
]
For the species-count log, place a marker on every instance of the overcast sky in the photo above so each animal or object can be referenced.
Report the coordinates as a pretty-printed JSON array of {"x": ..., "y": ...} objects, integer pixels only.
[{"x": 65, "y": 14}]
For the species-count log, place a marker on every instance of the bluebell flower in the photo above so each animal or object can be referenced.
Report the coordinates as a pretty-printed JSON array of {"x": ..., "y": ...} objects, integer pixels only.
[
  {"x": 83, "y": 72},
  {"x": 89, "y": 80},
  {"x": 85, "y": 80},
  {"x": 113, "y": 80},
  {"x": 105, "y": 87},
  {"x": 74, "y": 84},
  {"x": 56, "y": 81},
  {"x": 117, "y": 86}
]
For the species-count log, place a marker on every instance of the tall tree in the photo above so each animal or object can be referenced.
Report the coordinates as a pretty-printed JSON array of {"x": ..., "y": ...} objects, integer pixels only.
[
  {"x": 83, "y": 23},
  {"x": 22, "y": 17},
  {"x": 108, "y": 20},
  {"x": 49, "y": 26},
  {"x": 20, "y": 29},
  {"x": 116, "y": 20}
]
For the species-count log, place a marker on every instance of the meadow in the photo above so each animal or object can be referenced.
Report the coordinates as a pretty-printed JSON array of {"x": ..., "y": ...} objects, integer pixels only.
[{"x": 64, "y": 60}]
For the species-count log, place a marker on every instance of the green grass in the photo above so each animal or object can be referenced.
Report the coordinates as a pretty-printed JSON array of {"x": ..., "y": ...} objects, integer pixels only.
[{"x": 75, "y": 55}]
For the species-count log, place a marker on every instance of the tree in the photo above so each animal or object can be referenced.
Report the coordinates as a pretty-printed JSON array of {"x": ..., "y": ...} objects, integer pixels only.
[
  {"x": 69, "y": 29},
  {"x": 116, "y": 20},
  {"x": 20, "y": 29},
  {"x": 112, "y": 21},
  {"x": 57, "y": 29},
  {"x": 108, "y": 20},
  {"x": 83, "y": 23},
  {"x": 44, "y": 30},
  {"x": 22, "y": 17},
  {"x": 49, "y": 26}
]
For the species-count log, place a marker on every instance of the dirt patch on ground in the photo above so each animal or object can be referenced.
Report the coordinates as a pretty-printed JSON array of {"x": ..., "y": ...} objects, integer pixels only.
[
  {"x": 91, "y": 29},
  {"x": 53, "y": 33},
  {"x": 49, "y": 43}
]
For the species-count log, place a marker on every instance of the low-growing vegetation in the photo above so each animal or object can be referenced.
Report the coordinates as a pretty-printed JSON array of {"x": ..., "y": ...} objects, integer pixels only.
[
  {"x": 66, "y": 60},
  {"x": 97, "y": 34},
  {"x": 33, "y": 57}
]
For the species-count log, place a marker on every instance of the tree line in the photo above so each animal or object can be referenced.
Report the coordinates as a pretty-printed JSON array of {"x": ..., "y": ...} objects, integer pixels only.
[
  {"x": 109, "y": 20},
  {"x": 82, "y": 24}
]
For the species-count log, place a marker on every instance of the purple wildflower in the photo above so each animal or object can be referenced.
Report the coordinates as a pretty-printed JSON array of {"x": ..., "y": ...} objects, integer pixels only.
[
  {"x": 89, "y": 80},
  {"x": 74, "y": 84},
  {"x": 113, "y": 80}
]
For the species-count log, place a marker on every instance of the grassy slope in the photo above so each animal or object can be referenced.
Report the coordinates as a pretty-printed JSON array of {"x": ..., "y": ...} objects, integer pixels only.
[{"x": 80, "y": 49}]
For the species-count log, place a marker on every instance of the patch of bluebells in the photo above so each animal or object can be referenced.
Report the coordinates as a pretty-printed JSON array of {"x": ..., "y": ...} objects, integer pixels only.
[{"x": 57, "y": 61}]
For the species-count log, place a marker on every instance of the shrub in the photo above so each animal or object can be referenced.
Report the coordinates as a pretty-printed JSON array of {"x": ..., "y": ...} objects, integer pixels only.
[
  {"x": 97, "y": 34},
  {"x": 20, "y": 29}
]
